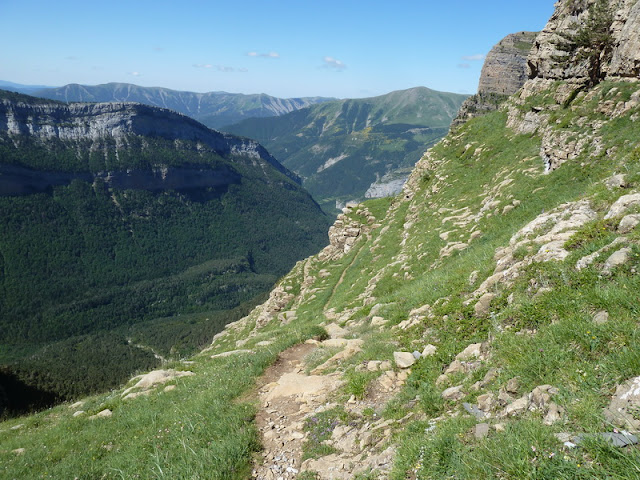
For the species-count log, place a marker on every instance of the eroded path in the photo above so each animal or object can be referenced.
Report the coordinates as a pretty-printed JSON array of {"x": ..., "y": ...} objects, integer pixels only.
[{"x": 287, "y": 395}]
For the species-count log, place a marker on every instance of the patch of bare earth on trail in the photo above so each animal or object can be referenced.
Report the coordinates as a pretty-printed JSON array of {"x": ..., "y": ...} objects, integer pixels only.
[{"x": 287, "y": 395}]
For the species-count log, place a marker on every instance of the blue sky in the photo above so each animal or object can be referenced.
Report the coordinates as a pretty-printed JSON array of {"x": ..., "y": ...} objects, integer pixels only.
[{"x": 286, "y": 48}]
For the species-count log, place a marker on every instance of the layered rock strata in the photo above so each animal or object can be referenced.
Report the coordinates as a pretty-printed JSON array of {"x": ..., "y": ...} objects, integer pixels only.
[{"x": 504, "y": 72}]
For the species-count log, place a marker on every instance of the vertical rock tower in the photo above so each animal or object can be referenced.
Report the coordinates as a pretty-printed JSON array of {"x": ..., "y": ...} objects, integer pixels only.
[{"x": 503, "y": 73}]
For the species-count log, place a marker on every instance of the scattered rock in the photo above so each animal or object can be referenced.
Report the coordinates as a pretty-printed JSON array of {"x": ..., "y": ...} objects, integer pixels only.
[
  {"x": 17, "y": 427},
  {"x": 473, "y": 351},
  {"x": 513, "y": 385},
  {"x": 624, "y": 405},
  {"x": 373, "y": 365},
  {"x": 518, "y": 407},
  {"x": 106, "y": 413},
  {"x": 628, "y": 223},
  {"x": 489, "y": 377},
  {"x": 487, "y": 402},
  {"x": 287, "y": 317},
  {"x": 385, "y": 365},
  {"x": 623, "y": 204},
  {"x": 481, "y": 430},
  {"x": 378, "y": 321},
  {"x": 616, "y": 181},
  {"x": 453, "y": 393},
  {"x": 336, "y": 331},
  {"x": 456, "y": 367},
  {"x": 18, "y": 451},
  {"x": 563, "y": 436},
  {"x": 553, "y": 415},
  {"x": 429, "y": 350},
  {"x": 589, "y": 259},
  {"x": 474, "y": 410},
  {"x": 403, "y": 359},
  {"x": 351, "y": 347},
  {"x": 78, "y": 413},
  {"x": 76, "y": 405},
  {"x": 504, "y": 398},
  {"x": 623, "y": 439},
  {"x": 616, "y": 259},
  {"x": 156, "y": 377},
  {"x": 541, "y": 396},
  {"x": 601, "y": 317}
]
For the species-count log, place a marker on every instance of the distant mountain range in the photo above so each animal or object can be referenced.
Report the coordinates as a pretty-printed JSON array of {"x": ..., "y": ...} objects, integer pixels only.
[
  {"x": 20, "y": 88},
  {"x": 343, "y": 149},
  {"x": 214, "y": 109},
  {"x": 351, "y": 149}
]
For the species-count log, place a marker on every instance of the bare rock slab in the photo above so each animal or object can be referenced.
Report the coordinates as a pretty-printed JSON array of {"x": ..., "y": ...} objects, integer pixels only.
[
  {"x": 624, "y": 404},
  {"x": 404, "y": 359}
]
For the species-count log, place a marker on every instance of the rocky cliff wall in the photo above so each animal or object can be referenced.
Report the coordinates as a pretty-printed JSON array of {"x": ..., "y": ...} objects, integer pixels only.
[
  {"x": 505, "y": 68},
  {"x": 76, "y": 122},
  {"x": 547, "y": 60},
  {"x": 504, "y": 72}
]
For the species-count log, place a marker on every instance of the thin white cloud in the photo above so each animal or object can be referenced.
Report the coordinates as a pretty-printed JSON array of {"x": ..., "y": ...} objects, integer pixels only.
[
  {"x": 478, "y": 57},
  {"x": 464, "y": 65},
  {"x": 135, "y": 74},
  {"x": 264, "y": 55},
  {"x": 333, "y": 63},
  {"x": 220, "y": 68}
]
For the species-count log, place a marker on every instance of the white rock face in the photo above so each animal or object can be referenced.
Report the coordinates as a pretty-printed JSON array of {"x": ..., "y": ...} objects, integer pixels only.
[
  {"x": 103, "y": 127},
  {"x": 389, "y": 188}
]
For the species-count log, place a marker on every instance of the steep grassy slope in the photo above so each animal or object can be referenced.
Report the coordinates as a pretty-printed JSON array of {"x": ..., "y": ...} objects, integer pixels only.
[
  {"x": 342, "y": 148},
  {"x": 483, "y": 248},
  {"x": 214, "y": 109},
  {"x": 123, "y": 247}
]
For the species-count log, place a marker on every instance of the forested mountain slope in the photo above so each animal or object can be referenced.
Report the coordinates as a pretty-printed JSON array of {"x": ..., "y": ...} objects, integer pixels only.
[
  {"x": 130, "y": 233},
  {"x": 351, "y": 149}
]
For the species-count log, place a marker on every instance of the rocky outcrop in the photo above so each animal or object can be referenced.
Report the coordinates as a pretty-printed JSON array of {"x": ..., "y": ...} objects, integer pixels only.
[
  {"x": 504, "y": 72},
  {"x": 346, "y": 231},
  {"x": 548, "y": 61},
  {"x": 505, "y": 68}
]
